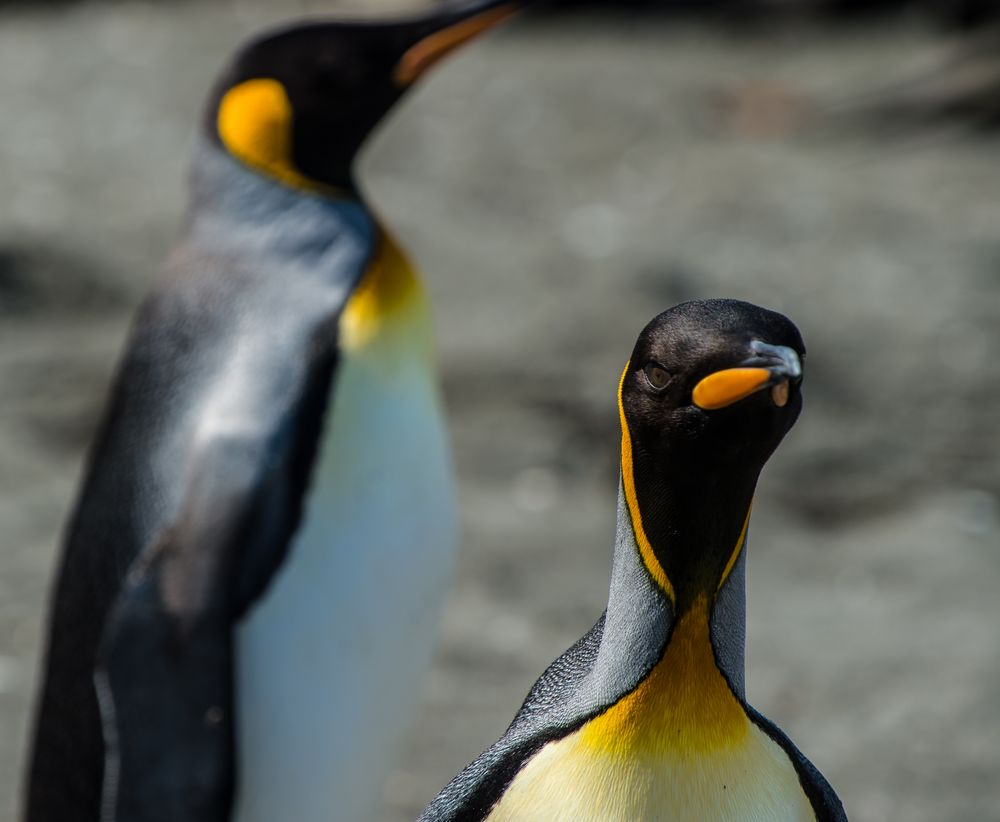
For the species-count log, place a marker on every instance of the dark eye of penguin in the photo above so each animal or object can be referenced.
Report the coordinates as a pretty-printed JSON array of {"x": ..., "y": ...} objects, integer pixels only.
[{"x": 657, "y": 376}]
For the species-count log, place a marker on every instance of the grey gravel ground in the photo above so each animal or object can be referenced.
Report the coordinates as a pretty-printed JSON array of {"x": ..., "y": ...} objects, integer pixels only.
[{"x": 560, "y": 183}]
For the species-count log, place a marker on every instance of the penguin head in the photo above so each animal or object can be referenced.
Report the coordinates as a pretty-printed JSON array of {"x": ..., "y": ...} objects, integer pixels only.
[
  {"x": 296, "y": 104},
  {"x": 709, "y": 392},
  {"x": 717, "y": 381}
]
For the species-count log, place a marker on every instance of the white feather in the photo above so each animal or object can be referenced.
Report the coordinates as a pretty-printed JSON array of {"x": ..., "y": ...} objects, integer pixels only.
[{"x": 329, "y": 663}]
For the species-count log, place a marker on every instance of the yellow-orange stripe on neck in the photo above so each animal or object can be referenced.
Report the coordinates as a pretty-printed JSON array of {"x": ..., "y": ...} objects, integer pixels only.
[
  {"x": 628, "y": 482},
  {"x": 735, "y": 555}
]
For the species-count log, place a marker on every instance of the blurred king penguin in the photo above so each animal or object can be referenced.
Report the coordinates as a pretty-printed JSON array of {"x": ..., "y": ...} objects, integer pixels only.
[
  {"x": 645, "y": 718},
  {"x": 249, "y": 589}
]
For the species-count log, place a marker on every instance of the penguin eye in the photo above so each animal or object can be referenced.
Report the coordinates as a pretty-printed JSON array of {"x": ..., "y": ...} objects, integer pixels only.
[{"x": 657, "y": 376}]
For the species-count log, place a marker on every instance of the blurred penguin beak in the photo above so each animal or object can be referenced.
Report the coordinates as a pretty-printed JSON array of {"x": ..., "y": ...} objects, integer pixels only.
[{"x": 426, "y": 52}]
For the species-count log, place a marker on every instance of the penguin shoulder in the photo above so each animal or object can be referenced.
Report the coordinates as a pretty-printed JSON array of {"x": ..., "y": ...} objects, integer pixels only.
[{"x": 542, "y": 718}]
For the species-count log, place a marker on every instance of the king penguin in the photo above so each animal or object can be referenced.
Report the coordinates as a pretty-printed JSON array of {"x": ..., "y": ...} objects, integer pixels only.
[
  {"x": 645, "y": 717},
  {"x": 248, "y": 591}
]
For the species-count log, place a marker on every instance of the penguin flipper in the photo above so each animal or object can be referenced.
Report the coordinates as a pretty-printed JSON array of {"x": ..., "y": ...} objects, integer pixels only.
[
  {"x": 824, "y": 800},
  {"x": 164, "y": 672}
]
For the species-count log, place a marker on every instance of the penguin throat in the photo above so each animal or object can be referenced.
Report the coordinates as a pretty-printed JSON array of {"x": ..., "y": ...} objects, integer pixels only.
[
  {"x": 689, "y": 521},
  {"x": 390, "y": 295},
  {"x": 682, "y": 708}
]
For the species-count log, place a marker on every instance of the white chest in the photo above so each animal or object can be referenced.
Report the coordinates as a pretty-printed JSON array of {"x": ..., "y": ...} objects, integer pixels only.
[{"x": 329, "y": 662}]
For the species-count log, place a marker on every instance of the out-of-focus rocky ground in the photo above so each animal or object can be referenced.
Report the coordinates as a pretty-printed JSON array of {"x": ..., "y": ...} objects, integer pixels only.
[{"x": 560, "y": 183}]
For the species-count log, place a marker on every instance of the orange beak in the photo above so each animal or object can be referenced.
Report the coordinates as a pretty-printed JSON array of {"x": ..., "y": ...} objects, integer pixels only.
[
  {"x": 771, "y": 367},
  {"x": 726, "y": 387},
  {"x": 424, "y": 54}
]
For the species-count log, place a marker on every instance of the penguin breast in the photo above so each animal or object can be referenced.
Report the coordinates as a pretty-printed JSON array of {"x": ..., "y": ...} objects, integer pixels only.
[
  {"x": 329, "y": 662},
  {"x": 679, "y": 746}
]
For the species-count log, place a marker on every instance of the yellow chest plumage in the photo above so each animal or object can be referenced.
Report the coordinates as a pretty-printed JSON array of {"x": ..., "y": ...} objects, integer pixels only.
[
  {"x": 388, "y": 301},
  {"x": 679, "y": 747}
]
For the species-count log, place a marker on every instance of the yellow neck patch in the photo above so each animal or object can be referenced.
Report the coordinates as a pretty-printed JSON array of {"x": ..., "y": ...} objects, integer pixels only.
[
  {"x": 255, "y": 125},
  {"x": 628, "y": 482},
  {"x": 389, "y": 292},
  {"x": 683, "y": 707}
]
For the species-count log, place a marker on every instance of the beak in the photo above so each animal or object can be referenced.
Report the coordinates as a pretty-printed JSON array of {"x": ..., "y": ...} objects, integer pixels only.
[
  {"x": 456, "y": 28},
  {"x": 771, "y": 366}
]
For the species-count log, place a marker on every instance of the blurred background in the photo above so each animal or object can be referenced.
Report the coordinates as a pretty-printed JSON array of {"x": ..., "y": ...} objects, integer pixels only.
[{"x": 560, "y": 182}]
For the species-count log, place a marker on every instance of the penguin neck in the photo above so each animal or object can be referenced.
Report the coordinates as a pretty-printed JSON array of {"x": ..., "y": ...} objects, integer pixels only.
[
  {"x": 647, "y": 621},
  {"x": 387, "y": 304},
  {"x": 689, "y": 517},
  {"x": 388, "y": 313},
  {"x": 222, "y": 187}
]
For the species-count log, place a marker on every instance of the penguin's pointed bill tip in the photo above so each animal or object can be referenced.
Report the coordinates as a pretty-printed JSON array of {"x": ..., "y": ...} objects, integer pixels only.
[
  {"x": 428, "y": 51},
  {"x": 296, "y": 103}
]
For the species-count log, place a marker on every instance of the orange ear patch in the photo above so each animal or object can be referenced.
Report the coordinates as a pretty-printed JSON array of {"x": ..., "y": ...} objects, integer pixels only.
[
  {"x": 255, "y": 125},
  {"x": 726, "y": 387},
  {"x": 424, "y": 54}
]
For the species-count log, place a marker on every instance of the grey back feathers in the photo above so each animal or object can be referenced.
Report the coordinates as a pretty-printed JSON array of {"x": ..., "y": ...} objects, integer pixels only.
[
  {"x": 273, "y": 270},
  {"x": 192, "y": 493}
]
